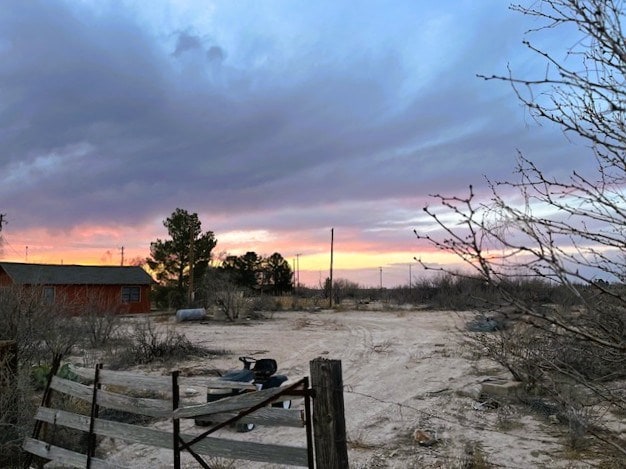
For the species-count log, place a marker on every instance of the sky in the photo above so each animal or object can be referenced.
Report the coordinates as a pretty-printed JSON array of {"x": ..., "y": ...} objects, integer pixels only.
[{"x": 275, "y": 121}]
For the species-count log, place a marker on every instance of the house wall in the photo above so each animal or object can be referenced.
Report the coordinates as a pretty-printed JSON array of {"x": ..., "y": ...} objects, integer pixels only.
[
  {"x": 101, "y": 298},
  {"x": 5, "y": 280}
]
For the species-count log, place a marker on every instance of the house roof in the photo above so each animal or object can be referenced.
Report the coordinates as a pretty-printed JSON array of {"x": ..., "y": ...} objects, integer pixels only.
[{"x": 49, "y": 274}]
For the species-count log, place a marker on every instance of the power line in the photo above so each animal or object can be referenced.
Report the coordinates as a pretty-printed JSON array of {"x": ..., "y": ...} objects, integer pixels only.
[{"x": 6, "y": 241}]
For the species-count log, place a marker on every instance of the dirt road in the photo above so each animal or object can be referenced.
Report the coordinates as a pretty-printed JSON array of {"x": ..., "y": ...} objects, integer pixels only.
[{"x": 402, "y": 370}]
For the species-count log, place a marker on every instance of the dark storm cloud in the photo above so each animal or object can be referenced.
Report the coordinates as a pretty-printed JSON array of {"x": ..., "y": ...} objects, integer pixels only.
[
  {"x": 186, "y": 41},
  {"x": 99, "y": 123},
  {"x": 215, "y": 54}
]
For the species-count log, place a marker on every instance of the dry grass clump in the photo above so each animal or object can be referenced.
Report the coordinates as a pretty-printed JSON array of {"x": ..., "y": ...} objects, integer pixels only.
[
  {"x": 385, "y": 346},
  {"x": 358, "y": 441},
  {"x": 221, "y": 463},
  {"x": 301, "y": 323},
  {"x": 472, "y": 457},
  {"x": 328, "y": 324}
]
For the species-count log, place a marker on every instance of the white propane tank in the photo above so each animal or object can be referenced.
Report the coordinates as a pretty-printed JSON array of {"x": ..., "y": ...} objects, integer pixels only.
[{"x": 194, "y": 314}]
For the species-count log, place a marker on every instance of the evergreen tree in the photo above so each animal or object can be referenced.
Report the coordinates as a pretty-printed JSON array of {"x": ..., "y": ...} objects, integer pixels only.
[{"x": 171, "y": 259}]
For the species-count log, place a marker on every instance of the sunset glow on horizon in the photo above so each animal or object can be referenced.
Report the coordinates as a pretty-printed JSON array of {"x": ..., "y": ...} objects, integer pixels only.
[
  {"x": 273, "y": 121},
  {"x": 102, "y": 246}
]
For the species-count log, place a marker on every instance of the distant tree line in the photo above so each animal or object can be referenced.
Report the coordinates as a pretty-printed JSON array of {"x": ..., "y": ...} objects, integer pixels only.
[
  {"x": 270, "y": 274},
  {"x": 189, "y": 275}
]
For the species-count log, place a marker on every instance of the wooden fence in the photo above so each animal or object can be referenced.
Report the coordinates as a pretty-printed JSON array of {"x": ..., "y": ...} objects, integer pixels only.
[{"x": 323, "y": 438}]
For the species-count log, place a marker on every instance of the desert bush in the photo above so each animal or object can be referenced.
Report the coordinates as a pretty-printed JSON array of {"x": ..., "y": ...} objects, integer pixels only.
[
  {"x": 516, "y": 349},
  {"x": 168, "y": 296},
  {"x": 100, "y": 319},
  {"x": 219, "y": 290},
  {"x": 40, "y": 373},
  {"x": 265, "y": 303},
  {"x": 343, "y": 289},
  {"x": 580, "y": 379},
  {"x": 462, "y": 291},
  {"x": 151, "y": 344},
  {"x": 15, "y": 390},
  {"x": 146, "y": 342}
]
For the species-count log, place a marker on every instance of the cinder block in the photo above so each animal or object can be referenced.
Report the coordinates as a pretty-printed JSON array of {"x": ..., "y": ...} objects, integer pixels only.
[{"x": 502, "y": 388}]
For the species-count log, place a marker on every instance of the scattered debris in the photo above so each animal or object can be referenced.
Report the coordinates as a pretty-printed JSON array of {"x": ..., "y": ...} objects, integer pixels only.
[
  {"x": 482, "y": 323},
  {"x": 425, "y": 438},
  {"x": 487, "y": 404}
]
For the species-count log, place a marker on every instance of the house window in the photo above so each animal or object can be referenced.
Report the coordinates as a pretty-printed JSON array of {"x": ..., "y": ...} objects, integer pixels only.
[
  {"x": 131, "y": 294},
  {"x": 48, "y": 295}
]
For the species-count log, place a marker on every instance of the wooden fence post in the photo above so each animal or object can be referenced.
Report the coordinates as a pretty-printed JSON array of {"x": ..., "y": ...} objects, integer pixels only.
[
  {"x": 175, "y": 420},
  {"x": 93, "y": 415},
  {"x": 329, "y": 424}
]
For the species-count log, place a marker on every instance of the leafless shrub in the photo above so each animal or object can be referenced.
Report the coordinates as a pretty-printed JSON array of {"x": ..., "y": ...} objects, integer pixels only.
[
  {"x": 151, "y": 343},
  {"x": 577, "y": 376},
  {"x": 100, "y": 318},
  {"x": 16, "y": 407},
  {"x": 264, "y": 303},
  {"x": 44, "y": 335},
  {"x": 515, "y": 349},
  {"x": 576, "y": 241},
  {"x": 147, "y": 343},
  {"x": 382, "y": 347},
  {"x": 218, "y": 290}
]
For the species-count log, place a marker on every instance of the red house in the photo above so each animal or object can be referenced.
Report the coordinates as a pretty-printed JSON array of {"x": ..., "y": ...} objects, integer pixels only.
[{"x": 106, "y": 288}]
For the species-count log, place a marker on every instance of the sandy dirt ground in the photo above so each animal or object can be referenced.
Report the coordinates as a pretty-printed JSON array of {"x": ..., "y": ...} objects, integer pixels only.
[{"x": 403, "y": 371}]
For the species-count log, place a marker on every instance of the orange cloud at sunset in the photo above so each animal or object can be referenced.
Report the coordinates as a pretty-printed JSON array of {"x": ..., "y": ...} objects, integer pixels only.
[{"x": 88, "y": 245}]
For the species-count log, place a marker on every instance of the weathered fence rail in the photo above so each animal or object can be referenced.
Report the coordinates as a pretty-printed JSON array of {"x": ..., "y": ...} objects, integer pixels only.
[
  {"x": 133, "y": 380},
  {"x": 110, "y": 389}
]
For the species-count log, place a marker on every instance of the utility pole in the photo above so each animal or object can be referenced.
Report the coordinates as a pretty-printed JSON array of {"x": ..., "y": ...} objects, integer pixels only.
[
  {"x": 381, "y": 278},
  {"x": 2, "y": 222},
  {"x": 122, "y": 256},
  {"x": 298, "y": 270},
  {"x": 332, "y": 242},
  {"x": 410, "y": 280},
  {"x": 191, "y": 261}
]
